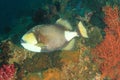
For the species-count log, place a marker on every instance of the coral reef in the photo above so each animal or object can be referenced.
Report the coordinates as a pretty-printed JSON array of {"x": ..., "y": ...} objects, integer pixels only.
[
  {"x": 18, "y": 54},
  {"x": 52, "y": 74},
  {"x": 95, "y": 37},
  {"x": 71, "y": 65},
  {"x": 68, "y": 57},
  {"x": 7, "y": 72},
  {"x": 78, "y": 65},
  {"x": 32, "y": 76},
  {"x": 107, "y": 52},
  {"x": 40, "y": 62},
  {"x": 11, "y": 53},
  {"x": 5, "y": 52}
]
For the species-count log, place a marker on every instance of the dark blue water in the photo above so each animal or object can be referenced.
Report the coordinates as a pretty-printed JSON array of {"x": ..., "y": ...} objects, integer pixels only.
[{"x": 10, "y": 10}]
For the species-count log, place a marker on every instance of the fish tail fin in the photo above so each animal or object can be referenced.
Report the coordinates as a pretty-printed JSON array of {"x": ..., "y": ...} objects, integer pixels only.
[{"x": 82, "y": 30}]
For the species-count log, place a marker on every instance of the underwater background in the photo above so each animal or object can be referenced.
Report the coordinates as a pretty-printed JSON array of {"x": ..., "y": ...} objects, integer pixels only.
[{"x": 93, "y": 58}]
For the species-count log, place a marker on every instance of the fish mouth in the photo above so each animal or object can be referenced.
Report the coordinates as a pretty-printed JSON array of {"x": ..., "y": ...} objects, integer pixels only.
[
  {"x": 22, "y": 41},
  {"x": 30, "y": 47}
]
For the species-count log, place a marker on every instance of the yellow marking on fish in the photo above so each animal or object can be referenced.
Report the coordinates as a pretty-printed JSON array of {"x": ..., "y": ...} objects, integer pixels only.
[{"x": 30, "y": 38}]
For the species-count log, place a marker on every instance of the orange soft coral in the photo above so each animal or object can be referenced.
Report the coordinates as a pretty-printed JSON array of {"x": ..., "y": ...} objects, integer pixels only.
[
  {"x": 109, "y": 49},
  {"x": 52, "y": 74},
  {"x": 112, "y": 19}
]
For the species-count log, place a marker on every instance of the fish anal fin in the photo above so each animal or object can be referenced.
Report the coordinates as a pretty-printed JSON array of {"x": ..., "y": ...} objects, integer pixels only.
[{"x": 70, "y": 45}]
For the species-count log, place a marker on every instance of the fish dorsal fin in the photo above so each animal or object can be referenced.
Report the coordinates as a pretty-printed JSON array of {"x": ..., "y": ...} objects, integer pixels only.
[
  {"x": 82, "y": 30},
  {"x": 64, "y": 23}
]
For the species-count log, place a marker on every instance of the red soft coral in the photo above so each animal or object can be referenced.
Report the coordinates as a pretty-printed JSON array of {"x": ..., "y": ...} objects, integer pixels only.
[
  {"x": 109, "y": 49},
  {"x": 7, "y": 72}
]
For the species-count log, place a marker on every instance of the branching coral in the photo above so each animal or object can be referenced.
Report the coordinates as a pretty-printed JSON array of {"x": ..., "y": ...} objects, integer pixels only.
[
  {"x": 108, "y": 52},
  {"x": 7, "y": 72}
]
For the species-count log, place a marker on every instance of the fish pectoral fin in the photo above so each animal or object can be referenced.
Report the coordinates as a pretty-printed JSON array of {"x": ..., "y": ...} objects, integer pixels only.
[{"x": 41, "y": 45}]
